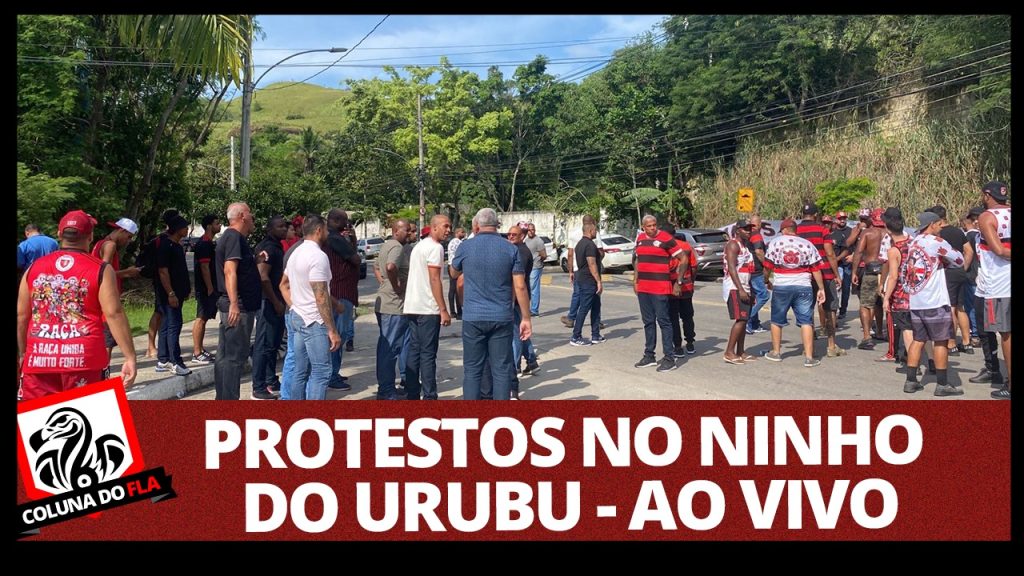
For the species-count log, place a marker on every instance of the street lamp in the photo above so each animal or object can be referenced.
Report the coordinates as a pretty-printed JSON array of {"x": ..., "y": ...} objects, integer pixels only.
[{"x": 247, "y": 90}]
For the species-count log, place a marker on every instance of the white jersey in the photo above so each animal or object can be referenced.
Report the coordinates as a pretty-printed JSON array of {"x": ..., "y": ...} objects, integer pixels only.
[
  {"x": 994, "y": 271},
  {"x": 744, "y": 267},
  {"x": 924, "y": 272}
]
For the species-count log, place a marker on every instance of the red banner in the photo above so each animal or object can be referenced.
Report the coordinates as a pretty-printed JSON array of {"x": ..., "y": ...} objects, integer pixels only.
[{"x": 599, "y": 470}]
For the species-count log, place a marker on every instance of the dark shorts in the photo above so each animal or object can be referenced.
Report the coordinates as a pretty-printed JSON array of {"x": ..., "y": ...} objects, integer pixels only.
[
  {"x": 901, "y": 320},
  {"x": 997, "y": 315},
  {"x": 206, "y": 306},
  {"x": 39, "y": 385},
  {"x": 737, "y": 309},
  {"x": 955, "y": 286},
  {"x": 831, "y": 296},
  {"x": 932, "y": 325},
  {"x": 108, "y": 336},
  {"x": 869, "y": 290}
]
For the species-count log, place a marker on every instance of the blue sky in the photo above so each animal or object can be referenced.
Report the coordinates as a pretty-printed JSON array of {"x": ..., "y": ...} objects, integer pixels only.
[{"x": 470, "y": 42}]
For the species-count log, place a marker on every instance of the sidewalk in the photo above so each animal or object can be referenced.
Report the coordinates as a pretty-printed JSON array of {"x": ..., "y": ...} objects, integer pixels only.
[{"x": 152, "y": 385}]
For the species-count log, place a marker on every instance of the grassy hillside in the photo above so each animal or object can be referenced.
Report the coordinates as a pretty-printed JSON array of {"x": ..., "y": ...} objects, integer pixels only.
[{"x": 292, "y": 109}]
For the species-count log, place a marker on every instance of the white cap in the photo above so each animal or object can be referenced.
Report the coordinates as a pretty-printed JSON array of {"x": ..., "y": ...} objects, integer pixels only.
[{"x": 126, "y": 224}]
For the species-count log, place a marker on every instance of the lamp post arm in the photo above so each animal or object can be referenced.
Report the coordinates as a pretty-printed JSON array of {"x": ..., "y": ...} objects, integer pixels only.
[{"x": 286, "y": 58}]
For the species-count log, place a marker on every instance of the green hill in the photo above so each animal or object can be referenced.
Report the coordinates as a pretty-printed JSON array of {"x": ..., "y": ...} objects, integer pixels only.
[{"x": 291, "y": 109}]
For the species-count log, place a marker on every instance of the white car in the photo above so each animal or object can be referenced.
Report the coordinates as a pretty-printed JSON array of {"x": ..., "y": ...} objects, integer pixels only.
[
  {"x": 618, "y": 252},
  {"x": 370, "y": 246},
  {"x": 549, "y": 248}
]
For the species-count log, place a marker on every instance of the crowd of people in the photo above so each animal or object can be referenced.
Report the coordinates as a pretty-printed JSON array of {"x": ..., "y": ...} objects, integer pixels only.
[{"x": 298, "y": 287}]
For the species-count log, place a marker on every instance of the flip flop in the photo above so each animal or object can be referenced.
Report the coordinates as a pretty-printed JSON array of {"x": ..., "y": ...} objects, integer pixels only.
[
  {"x": 749, "y": 357},
  {"x": 737, "y": 361}
]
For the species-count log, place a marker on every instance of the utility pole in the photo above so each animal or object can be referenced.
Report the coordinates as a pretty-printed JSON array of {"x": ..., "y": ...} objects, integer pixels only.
[
  {"x": 419, "y": 127},
  {"x": 232, "y": 163},
  {"x": 247, "y": 87}
]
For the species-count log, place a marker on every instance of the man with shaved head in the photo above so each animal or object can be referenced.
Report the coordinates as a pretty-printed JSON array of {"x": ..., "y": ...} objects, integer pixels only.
[
  {"x": 393, "y": 268},
  {"x": 492, "y": 272},
  {"x": 569, "y": 320},
  {"x": 238, "y": 283},
  {"x": 426, "y": 311}
]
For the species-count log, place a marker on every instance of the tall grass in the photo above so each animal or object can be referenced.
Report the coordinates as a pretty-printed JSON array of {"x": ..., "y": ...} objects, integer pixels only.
[{"x": 928, "y": 163}]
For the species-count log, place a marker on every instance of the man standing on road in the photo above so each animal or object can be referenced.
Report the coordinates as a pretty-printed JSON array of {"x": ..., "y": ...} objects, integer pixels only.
[
  {"x": 270, "y": 323},
  {"x": 680, "y": 306},
  {"x": 739, "y": 263},
  {"x": 956, "y": 280},
  {"x": 521, "y": 348},
  {"x": 844, "y": 239},
  {"x": 761, "y": 295},
  {"x": 536, "y": 246},
  {"x": 994, "y": 274},
  {"x": 345, "y": 263},
  {"x": 652, "y": 285},
  {"x": 62, "y": 299},
  {"x": 304, "y": 286},
  {"x": 491, "y": 271},
  {"x": 793, "y": 263},
  {"x": 206, "y": 288},
  {"x": 588, "y": 282},
  {"x": 426, "y": 311},
  {"x": 35, "y": 245},
  {"x": 239, "y": 287},
  {"x": 172, "y": 289},
  {"x": 868, "y": 250},
  {"x": 924, "y": 278},
  {"x": 809, "y": 229},
  {"x": 393, "y": 270},
  {"x": 453, "y": 301},
  {"x": 108, "y": 249},
  {"x": 569, "y": 320},
  {"x": 895, "y": 300}
]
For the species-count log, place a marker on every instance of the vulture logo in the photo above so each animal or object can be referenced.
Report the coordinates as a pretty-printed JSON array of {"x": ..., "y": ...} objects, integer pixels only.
[{"x": 76, "y": 439}]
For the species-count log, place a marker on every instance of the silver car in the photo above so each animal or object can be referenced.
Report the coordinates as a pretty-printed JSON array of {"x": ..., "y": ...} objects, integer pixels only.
[
  {"x": 370, "y": 246},
  {"x": 709, "y": 247}
]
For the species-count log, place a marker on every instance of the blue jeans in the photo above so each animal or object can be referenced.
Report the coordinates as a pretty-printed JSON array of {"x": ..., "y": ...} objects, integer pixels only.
[
  {"x": 269, "y": 333},
  {"x": 654, "y": 309},
  {"x": 761, "y": 295},
  {"x": 520, "y": 349},
  {"x": 312, "y": 360},
  {"x": 483, "y": 341},
  {"x": 574, "y": 303},
  {"x": 345, "y": 325},
  {"x": 394, "y": 331},
  {"x": 288, "y": 368},
  {"x": 421, "y": 369},
  {"x": 847, "y": 283},
  {"x": 590, "y": 302},
  {"x": 168, "y": 345},
  {"x": 535, "y": 290},
  {"x": 799, "y": 298},
  {"x": 967, "y": 298}
]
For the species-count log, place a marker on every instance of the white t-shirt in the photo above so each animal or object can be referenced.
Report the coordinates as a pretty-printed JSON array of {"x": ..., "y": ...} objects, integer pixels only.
[
  {"x": 307, "y": 264},
  {"x": 418, "y": 297},
  {"x": 574, "y": 238},
  {"x": 453, "y": 245},
  {"x": 792, "y": 260},
  {"x": 924, "y": 273}
]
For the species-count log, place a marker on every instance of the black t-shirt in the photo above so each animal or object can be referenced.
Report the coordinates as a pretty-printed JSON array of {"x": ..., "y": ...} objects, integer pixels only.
[
  {"x": 972, "y": 271},
  {"x": 527, "y": 257},
  {"x": 275, "y": 257},
  {"x": 232, "y": 246},
  {"x": 839, "y": 238},
  {"x": 586, "y": 248},
  {"x": 204, "y": 252},
  {"x": 171, "y": 255},
  {"x": 956, "y": 238}
]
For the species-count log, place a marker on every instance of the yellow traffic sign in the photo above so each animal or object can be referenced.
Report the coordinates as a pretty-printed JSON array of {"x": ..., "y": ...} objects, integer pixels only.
[{"x": 745, "y": 200}]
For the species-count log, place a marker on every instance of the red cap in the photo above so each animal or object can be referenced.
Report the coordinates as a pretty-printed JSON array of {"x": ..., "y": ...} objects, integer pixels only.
[
  {"x": 787, "y": 223},
  {"x": 425, "y": 232},
  {"x": 876, "y": 217},
  {"x": 78, "y": 220},
  {"x": 297, "y": 221}
]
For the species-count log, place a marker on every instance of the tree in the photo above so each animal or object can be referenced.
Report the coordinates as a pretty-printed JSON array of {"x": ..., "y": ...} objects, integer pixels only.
[{"x": 40, "y": 197}]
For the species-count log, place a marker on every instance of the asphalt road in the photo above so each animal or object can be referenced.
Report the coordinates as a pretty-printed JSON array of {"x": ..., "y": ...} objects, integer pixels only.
[{"x": 606, "y": 371}]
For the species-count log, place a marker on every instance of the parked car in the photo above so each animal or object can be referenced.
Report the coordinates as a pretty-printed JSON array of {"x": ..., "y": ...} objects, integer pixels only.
[
  {"x": 549, "y": 247},
  {"x": 370, "y": 246},
  {"x": 618, "y": 253},
  {"x": 709, "y": 247}
]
